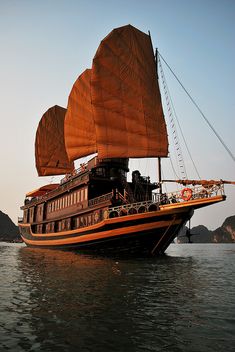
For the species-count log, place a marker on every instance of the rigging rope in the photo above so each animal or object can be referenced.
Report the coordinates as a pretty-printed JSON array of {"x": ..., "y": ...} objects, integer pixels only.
[
  {"x": 196, "y": 105},
  {"x": 181, "y": 132},
  {"x": 169, "y": 103}
]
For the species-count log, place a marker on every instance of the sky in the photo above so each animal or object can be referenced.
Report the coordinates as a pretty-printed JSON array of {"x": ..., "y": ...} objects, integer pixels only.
[{"x": 45, "y": 45}]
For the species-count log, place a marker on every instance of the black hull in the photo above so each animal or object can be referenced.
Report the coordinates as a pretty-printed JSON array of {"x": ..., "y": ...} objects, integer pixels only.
[
  {"x": 133, "y": 236},
  {"x": 130, "y": 245}
]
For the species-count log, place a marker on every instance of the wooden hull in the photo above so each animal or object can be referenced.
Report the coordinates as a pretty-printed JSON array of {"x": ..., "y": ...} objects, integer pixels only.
[{"x": 147, "y": 233}]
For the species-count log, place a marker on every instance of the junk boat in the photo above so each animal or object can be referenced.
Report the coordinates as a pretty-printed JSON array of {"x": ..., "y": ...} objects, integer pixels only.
[{"x": 114, "y": 113}]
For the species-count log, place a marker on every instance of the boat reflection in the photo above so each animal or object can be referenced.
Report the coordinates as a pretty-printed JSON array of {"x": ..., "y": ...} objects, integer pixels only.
[{"x": 85, "y": 303}]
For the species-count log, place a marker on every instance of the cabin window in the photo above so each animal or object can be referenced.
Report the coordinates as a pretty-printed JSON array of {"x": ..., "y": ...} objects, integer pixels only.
[
  {"x": 100, "y": 171},
  {"x": 82, "y": 195},
  {"x": 63, "y": 225},
  {"x": 63, "y": 202},
  {"x": 78, "y": 196},
  {"x": 71, "y": 198},
  {"x": 59, "y": 226},
  {"x": 66, "y": 201},
  {"x": 49, "y": 207},
  {"x": 85, "y": 191},
  {"x": 68, "y": 222},
  {"x": 25, "y": 215},
  {"x": 76, "y": 222}
]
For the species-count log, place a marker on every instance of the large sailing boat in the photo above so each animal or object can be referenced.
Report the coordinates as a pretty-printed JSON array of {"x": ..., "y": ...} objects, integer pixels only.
[{"x": 115, "y": 112}]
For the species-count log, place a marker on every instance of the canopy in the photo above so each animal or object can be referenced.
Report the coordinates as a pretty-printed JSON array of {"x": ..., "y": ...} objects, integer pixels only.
[
  {"x": 50, "y": 153},
  {"x": 42, "y": 190}
]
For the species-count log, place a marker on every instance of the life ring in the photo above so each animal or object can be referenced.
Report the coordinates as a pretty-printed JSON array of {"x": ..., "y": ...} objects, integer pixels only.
[{"x": 186, "y": 194}]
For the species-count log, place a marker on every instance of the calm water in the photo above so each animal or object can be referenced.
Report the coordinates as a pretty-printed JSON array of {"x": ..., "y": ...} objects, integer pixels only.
[{"x": 61, "y": 301}]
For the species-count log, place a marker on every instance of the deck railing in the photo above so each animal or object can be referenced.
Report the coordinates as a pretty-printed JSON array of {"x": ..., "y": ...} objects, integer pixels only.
[
  {"x": 100, "y": 199},
  {"x": 197, "y": 192},
  {"x": 133, "y": 208}
]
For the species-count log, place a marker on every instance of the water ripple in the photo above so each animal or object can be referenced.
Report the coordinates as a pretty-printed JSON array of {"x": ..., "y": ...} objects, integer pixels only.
[{"x": 63, "y": 301}]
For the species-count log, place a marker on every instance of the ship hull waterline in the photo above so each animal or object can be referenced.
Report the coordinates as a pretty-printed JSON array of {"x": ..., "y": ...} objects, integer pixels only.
[{"x": 139, "y": 234}]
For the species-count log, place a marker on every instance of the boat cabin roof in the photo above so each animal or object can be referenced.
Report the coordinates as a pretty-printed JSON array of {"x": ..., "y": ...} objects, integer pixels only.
[{"x": 42, "y": 190}]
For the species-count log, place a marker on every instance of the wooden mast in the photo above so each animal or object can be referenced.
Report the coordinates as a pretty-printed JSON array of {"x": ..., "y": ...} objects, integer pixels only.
[{"x": 159, "y": 159}]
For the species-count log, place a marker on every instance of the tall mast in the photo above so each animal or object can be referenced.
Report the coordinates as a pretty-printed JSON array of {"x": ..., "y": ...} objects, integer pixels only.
[{"x": 159, "y": 159}]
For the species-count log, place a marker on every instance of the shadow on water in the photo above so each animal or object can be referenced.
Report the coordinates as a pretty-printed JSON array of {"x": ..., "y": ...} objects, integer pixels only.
[{"x": 101, "y": 304}]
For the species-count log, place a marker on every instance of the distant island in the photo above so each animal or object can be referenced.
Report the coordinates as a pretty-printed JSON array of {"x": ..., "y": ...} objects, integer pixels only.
[
  {"x": 9, "y": 232},
  {"x": 201, "y": 234}
]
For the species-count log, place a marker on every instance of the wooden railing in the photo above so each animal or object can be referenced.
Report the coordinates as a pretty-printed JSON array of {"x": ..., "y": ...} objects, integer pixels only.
[
  {"x": 197, "y": 192},
  {"x": 100, "y": 199}
]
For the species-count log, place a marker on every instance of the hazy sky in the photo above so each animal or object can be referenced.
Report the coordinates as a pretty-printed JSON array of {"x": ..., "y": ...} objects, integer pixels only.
[{"x": 46, "y": 44}]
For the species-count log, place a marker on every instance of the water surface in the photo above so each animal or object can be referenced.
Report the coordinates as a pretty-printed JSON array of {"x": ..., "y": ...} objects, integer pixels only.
[{"x": 62, "y": 301}]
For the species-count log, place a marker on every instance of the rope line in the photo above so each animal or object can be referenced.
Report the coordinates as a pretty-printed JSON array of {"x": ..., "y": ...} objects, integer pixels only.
[
  {"x": 177, "y": 120},
  {"x": 198, "y": 108}
]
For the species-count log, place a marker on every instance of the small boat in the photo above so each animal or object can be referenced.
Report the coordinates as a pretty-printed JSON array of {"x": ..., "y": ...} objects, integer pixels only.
[{"x": 114, "y": 113}]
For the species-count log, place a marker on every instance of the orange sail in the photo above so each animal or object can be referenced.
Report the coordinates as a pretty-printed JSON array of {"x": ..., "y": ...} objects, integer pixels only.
[
  {"x": 79, "y": 128},
  {"x": 126, "y": 100},
  {"x": 50, "y": 153},
  {"x": 114, "y": 109}
]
